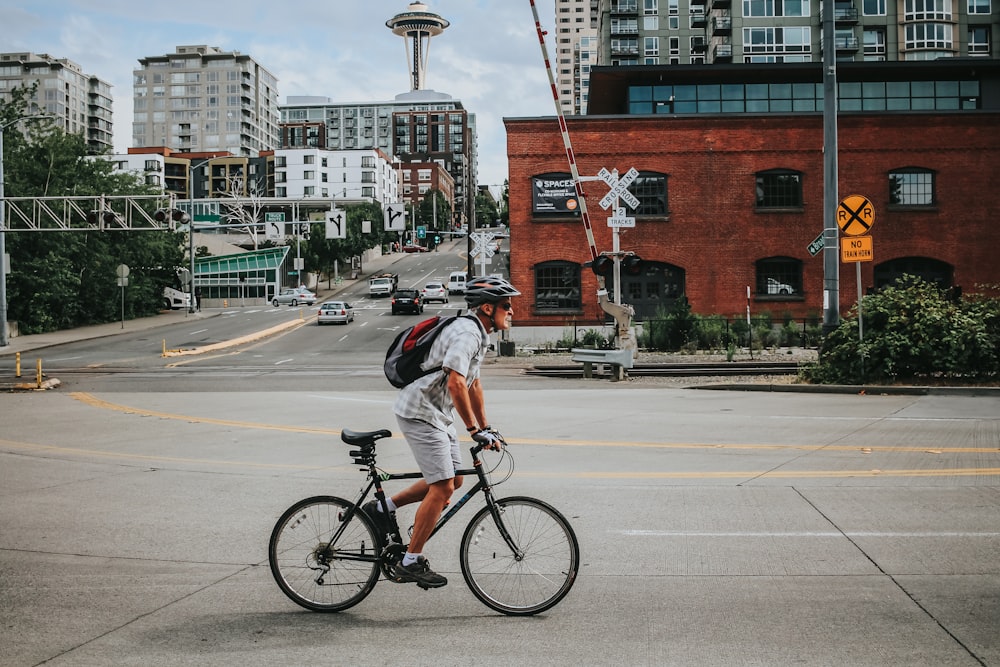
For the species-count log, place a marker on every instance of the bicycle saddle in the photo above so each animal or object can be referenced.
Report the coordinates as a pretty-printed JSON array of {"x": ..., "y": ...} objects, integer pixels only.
[{"x": 364, "y": 438}]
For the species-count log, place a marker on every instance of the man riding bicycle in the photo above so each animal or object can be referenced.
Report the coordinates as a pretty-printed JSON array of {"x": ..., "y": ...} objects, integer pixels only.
[{"x": 425, "y": 412}]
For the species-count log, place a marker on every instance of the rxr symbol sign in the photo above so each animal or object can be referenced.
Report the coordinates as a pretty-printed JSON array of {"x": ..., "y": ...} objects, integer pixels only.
[{"x": 855, "y": 215}]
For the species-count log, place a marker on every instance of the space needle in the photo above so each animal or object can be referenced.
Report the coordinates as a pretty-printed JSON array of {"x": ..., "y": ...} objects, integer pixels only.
[{"x": 417, "y": 25}]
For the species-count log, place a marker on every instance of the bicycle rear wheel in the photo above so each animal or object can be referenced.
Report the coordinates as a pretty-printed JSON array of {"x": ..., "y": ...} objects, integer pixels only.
[
  {"x": 312, "y": 571},
  {"x": 535, "y": 578}
]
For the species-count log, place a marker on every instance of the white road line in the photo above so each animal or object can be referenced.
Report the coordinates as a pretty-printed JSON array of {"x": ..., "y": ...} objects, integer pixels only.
[{"x": 680, "y": 533}]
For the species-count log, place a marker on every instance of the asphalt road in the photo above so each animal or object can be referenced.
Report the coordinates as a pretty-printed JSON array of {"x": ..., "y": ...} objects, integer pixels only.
[{"x": 716, "y": 528}]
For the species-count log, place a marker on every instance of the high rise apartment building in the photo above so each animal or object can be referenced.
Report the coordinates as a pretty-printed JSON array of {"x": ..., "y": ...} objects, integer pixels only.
[
  {"x": 576, "y": 52},
  {"x": 418, "y": 126},
  {"x": 80, "y": 103},
  {"x": 673, "y": 32},
  {"x": 201, "y": 99}
]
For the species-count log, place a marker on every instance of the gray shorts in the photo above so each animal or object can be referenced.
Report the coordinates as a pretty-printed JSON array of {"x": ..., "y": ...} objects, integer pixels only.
[{"x": 436, "y": 452}]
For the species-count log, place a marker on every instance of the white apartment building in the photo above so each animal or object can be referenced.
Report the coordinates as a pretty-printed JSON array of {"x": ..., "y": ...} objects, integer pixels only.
[
  {"x": 576, "y": 52},
  {"x": 203, "y": 99},
  {"x": 80, "y": 103},
  {"x": 348, "y": 174}
]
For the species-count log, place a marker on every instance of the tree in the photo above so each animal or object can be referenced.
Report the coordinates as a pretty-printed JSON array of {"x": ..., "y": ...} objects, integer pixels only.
[
  {"x": 426, "y": 214},
  {"x": 63, "y": 279},
  {"x": 487, "y": 213},
  {"x": 239, "y": 212}
]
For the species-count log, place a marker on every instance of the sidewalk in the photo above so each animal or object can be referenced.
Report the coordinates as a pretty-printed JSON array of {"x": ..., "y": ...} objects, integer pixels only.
[{"x": 24, "y": 344}]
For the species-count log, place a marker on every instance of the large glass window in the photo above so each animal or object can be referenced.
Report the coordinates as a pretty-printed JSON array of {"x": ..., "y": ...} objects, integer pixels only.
[
  {"x": 557, "y": 286},
  {"x": 779, "y": 188},
  {"x": 979, "y": 6},
  {"x": 651, "y": 190},
  {"x": 912, "y": 186},
  {"x": 775, "y": 8},
  {"x": 873, "y": 7}
]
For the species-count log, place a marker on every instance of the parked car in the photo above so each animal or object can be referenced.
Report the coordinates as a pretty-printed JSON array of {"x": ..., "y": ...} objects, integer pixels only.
[
  {"x": 293, "y": 296},
  {"x": 775, "y": 287},
  {"x": 407, "y": 300},
  {"x": 335, "y": 312},
  {"x": 413, "y": 247},
  {"x": 435, "y": 292}
]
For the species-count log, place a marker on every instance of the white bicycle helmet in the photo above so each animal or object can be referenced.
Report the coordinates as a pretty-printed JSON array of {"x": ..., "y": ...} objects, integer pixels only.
[{"x": 487, "y": 289}]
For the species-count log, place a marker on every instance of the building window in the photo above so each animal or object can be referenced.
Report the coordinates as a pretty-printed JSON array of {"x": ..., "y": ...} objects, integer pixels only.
[
  {"x": 769, "y": 8},
  {"x": 308, "y": 159},
  {"x": 912, "y": 186},
  {"x": 650, "y": 189},
  {"x": 979, "y": 40},
  {"x": 779, "y": 277},
  {"x": 925, "y": 10},
  {"x": 779, "y": 188},
  {"x": 557, "y": 286},
  {"x": 979, "y": 7},
  {"x": 873, "y": 7}
]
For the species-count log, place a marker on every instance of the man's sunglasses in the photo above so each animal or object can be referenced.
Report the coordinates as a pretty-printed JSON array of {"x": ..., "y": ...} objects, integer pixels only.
[{"x": 506, "y": 306}]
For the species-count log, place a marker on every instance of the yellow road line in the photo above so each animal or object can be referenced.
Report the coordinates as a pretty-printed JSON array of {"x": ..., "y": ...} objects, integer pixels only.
[{"x": 99, "y": 403}]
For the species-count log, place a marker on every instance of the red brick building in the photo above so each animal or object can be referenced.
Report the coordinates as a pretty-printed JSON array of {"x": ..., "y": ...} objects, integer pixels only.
[{"x": 730, "y": 163}]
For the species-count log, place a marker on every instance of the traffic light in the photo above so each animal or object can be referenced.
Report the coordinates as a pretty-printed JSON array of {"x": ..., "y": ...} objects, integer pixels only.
[
  {"x": 93, "y": 217},
  {"x": 175, "y": 214},
  {"x": 603, "y": 266},
  {"x": 632, "y": 265}
]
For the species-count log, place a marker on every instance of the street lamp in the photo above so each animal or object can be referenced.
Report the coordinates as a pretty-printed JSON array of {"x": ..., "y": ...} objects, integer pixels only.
[
  {"x": 190, "y": 194},
  {"x": 3, "y": 233}
]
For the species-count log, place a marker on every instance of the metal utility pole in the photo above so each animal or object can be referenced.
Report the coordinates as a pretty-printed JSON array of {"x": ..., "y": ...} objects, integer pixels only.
[{"x": 831, "y": 233}]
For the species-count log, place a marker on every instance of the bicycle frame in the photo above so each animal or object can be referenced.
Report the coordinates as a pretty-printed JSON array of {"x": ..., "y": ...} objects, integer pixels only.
[{"x": 482, "y": 484}]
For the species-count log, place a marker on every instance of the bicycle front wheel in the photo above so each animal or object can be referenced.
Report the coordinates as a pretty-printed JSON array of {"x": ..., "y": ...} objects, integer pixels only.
[
  {"x": 532, "y": 576},
  {"x": 317, "y": 567}
]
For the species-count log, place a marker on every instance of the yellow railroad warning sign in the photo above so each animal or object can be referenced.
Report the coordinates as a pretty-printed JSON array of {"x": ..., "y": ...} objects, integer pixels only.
[
  {"x": 855, "y": 215},
  {"x": 856, "y": 249}
]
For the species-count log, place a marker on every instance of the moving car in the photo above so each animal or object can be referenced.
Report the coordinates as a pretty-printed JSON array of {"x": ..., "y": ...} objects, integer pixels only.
[
  {"x": 293, "y": 296},
  {"x": 335, "y": 312},
  {"x": 407, "y": 300},
  {"x": 456, "y": 282},
  {"x": 435, "y": 292},
  {"x": 413, "y": 247}
]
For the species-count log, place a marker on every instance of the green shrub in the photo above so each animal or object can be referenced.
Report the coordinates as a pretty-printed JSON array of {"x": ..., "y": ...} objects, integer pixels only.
[{"x": 913, "y": 332}]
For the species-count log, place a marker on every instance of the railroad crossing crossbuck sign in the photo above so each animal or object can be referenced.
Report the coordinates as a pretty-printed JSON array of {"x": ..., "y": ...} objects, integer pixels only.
[
  {"x": 619, "y": 188},
  {"x": 855, "y": 215}
]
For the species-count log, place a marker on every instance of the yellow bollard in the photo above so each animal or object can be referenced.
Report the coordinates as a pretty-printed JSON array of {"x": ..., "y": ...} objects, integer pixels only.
[
  {"x": 38, "y": 372},
  {"x": 225, "y": 303},
  {"x": 164, "y": 348},
  {"x": 17, "y": 365}
]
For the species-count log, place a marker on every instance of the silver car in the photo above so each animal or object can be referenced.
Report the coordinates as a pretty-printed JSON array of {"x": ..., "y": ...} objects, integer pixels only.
[
  {"x": 435, "y": 292},
  {"x": 335, "y": 312},
  {"x": 293, "y": 296}
]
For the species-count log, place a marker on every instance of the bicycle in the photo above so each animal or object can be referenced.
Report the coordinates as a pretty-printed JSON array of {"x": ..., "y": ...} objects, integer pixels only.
[{"x": 519, "y": 555}]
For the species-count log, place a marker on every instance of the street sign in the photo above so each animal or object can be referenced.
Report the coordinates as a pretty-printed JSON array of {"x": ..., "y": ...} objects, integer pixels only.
[
  {"x": 421, "y": 231},
  {"x": 817, "y": 245},
  {"x": 855, "y": 215},
  {"x": 394, "y": 217},
  {"x": 619, "y": 219},
  {"x": 336, "y": 224},
  {"x": 274, "y": 226},
  {"x": 122, "y": 270},
  {"x": 856, "y": 249}
]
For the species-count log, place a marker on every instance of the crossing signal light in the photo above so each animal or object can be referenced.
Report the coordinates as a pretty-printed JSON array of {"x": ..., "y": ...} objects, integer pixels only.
[
  {"x": 603, "y": 266},
  {"x": 632, "y": 265},
  {"x": 175, "y": 214}
]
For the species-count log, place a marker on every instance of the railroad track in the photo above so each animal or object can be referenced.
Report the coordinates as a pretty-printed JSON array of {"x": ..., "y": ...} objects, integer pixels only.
[{"x": 674, "y": 370}]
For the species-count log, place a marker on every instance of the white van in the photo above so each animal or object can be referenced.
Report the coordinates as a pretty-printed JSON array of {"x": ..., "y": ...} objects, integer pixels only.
[{"x": 456, "y": 282}]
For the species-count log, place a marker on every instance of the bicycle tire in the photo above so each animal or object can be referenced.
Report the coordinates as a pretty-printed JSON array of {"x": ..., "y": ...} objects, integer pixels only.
[
  {"x": 540, "y": 578},
  {"x": 314, "y": 573}
]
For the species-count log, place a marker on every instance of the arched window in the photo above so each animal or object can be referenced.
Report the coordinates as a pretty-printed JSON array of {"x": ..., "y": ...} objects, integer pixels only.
[
  {"x": 557, "y": 286},
  {"x": 779, "y": 188},
  {"x": 650, "y": 188}
]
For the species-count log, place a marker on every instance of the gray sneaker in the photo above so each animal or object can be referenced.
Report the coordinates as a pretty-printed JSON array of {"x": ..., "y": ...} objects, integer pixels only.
[{"x": 418, "y": 572}]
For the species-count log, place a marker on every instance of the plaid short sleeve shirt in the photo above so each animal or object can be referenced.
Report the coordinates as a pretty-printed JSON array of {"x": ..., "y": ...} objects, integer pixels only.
[{"x": 461, "y": 347}]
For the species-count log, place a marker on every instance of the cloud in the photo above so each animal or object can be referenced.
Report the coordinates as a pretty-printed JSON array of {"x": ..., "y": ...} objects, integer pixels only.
[{"x": 488, "y": 57}]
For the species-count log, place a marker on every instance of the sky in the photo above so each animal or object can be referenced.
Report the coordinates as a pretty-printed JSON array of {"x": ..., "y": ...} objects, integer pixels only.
[{"x": 489, "y": 57}]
